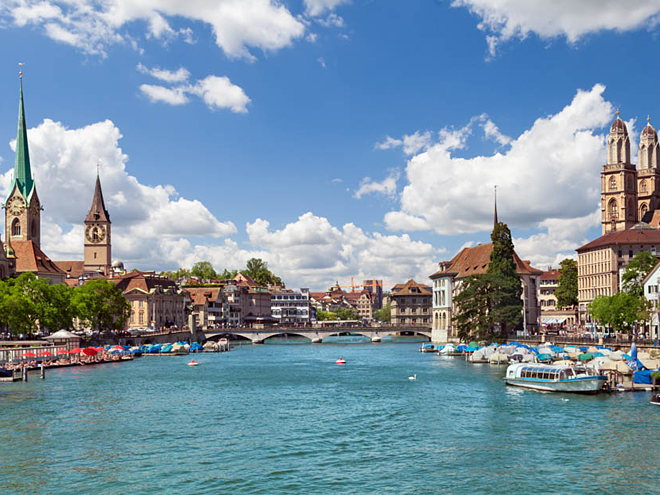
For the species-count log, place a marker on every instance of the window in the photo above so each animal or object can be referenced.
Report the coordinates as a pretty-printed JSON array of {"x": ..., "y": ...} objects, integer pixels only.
[
  {"x": 613, "y": 209},
  {"x": 613, "y": 184},
  {"x": 16, "y": 227},
  {"x": 642, "y": 186}
]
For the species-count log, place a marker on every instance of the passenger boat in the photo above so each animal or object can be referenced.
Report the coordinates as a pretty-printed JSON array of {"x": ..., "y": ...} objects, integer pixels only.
[
  {"x": 656, "y": 400},
  {"x": 555, "y": 378}
]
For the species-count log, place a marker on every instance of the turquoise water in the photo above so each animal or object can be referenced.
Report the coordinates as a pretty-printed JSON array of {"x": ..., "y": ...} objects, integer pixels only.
[{"x": 286, "y": 419}]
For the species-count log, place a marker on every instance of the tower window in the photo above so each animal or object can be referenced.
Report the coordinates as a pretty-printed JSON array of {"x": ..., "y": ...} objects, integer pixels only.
[
  {"x": 16, "y": 227},
  {"x": 613, "y": 210},
  {"x": 613, "y": 184},
  {"x": 642, "y": 211},
  {"x": 642, "y": 186}
]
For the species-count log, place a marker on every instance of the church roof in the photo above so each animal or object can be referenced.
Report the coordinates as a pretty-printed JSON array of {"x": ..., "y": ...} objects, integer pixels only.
[
  {"x": 143, "y": 281},
  {"x": 97, "y": 212},
  {"x": 22, "y": 171},
  {"x": 475, "y": 261},
  {"x": 649, "y": 131},
  {"x": 618, "y": 126},
  {"x": 630, "y": 236},
  {"x": 29, "y": 258}
]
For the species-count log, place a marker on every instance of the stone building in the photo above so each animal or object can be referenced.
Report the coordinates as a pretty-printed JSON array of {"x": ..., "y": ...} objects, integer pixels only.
[
  {"x": 448, "y": 280},
  {"x": 364, "y": 302},
  {"x": 156, "y": 302},
  {"x": 23, "y": 216},
  {"x": 410, "y": 304},
  {"x": 290, "y": 307},
  {"x": 207, "y": 305},
  {"x": 551, "y": 314}
]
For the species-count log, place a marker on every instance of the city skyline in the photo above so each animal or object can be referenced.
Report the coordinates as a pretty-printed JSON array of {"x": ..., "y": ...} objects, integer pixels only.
[{"x": 330, "y": 138}]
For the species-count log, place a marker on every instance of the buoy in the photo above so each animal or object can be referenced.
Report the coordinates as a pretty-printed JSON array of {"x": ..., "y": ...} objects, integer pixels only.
[
  {"x": 192, "y": 363},
  {"x": 414, "y": 377},
  {"x": 340, "y": 361}
]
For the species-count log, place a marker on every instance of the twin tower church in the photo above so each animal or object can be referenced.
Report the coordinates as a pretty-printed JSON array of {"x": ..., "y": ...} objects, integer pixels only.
[{"x": 21, "y": 251}]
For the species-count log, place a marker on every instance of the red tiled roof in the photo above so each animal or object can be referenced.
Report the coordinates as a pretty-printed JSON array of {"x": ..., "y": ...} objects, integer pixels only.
[
  {"x": 73, "y": 269},
  {"x": 631, "y": 236},
  {"x": 199, "y": 295},
  {"x": 475, "y": 261},
  {"x": 412, "y": 288},
  {"x": 29, "y": 258},
  {"x": 550, "y": 275}
]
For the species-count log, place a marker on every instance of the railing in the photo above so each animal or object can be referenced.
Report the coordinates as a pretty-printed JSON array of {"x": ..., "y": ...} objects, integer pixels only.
[{"x": 587, "y": 340}]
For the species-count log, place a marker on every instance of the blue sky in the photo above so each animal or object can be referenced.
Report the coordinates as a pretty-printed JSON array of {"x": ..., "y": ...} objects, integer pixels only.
[{"x": 333, "y": 138}]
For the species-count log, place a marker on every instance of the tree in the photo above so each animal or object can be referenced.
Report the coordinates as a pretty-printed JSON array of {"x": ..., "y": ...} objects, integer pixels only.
[
  {"x": 325, "y": 316},
  {"x": 347, "y": 314},
  {"x": 620, "y": 311},
  {"x": 59, "y": 313},
  {"x": 474, "y": 304},
  {"x": 228, "y": 274},
  {"x": 177, "y": 275},
  {"x": 384, "y": 314},
  {"x": 101, "y": 305},
  {"x": 203, "y": 270},
  {"x": 24, "y": 301},
  {"x": 636, "y": 271},
  {"x": 257, "y": 270},
  {"x": 567, "y": 291}
]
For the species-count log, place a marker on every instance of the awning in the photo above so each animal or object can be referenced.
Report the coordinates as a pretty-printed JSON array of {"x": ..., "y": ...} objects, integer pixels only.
[{"x": 553, "y": 320}]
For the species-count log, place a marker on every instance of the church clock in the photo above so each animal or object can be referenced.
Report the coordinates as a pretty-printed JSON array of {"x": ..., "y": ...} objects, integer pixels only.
[
  {"x": 95, "y": 233},
  {"x": 15, "y": 206}
]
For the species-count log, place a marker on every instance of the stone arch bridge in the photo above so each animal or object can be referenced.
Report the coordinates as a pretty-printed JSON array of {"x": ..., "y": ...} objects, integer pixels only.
[{"x": 316, "y": 335}]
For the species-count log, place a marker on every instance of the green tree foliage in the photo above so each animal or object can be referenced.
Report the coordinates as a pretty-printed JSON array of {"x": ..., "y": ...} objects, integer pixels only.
[
  {"x": 325, "y": 316},
  {"x": 228, "y": 274},
  {"x": 567, "y": 291},
  {"x": 257, "y": 270},
  {"x": 620, "y": 311},
  {"x": 638, "y": 268},
  {"x": 59, "y": 312},
  {"x": 384, "y": 315},
  {"x": 490, "y": 304},
  {"x": 176, "y": 275},
  {"x": 203, "y": 270},
  {"x": 24, "y": 302},
  {"x": 101, "y": 305},
  {"x": 347, "y": 314}
]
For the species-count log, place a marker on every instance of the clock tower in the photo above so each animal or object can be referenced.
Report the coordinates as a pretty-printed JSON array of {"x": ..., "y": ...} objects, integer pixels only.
[
  {"x": 22, "y": 208},
  {"x": 98, "y": 243}
]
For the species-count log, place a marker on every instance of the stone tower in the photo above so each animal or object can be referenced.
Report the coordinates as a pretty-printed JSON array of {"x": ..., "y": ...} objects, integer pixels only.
[
  {"x": 648, "y": 173},
  {"x": 98, "y": 243},
  {"x": 22, "y": 208},
  {"x": 618, "y": 182}
]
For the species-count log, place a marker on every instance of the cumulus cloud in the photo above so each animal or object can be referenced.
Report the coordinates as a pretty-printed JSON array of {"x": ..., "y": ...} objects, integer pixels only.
[
  {"x": 217, "y": 92},
  {"x": 550, "y": 171},
  {"x": 503, "y": 21},
  {"x": 387, "y": 186},
  {"x": 92, "y": 26},
  {"x": 64, "y": 165},
  {"x": 319, "y": 7}
]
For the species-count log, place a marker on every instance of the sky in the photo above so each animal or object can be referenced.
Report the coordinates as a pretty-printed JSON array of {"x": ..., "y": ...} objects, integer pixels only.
[{"x": 331, "y": 138}]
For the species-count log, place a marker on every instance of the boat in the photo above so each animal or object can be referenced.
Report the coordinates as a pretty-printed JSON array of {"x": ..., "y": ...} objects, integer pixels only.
[
  {"x": 555, "y": 378},
  {"x": 192, "y": 363},
  {"x": 340, "y": 361},
  {"x": 655, "y": 400},
  {"x": 427, "y": 348}
]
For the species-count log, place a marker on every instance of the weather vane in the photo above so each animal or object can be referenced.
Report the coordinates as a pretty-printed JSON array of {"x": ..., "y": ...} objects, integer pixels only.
[{"x": 20, "y": 72}]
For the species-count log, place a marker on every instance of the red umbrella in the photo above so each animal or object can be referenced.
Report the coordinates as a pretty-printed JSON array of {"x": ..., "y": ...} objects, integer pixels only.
[
  {"x": 117, "y": 347},
  {"x": 77, "y": 349},
  {"x": 100, "y": 349},
  {"x": 45, "y": 353},
  {"x": 90, "y": 351},
  {"x": 29, "y": 354},
  {"x": 63, "y": 351}
]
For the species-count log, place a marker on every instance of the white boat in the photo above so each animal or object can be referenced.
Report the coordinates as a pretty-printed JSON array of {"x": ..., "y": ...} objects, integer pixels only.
[{"x": 554, "y": 378}]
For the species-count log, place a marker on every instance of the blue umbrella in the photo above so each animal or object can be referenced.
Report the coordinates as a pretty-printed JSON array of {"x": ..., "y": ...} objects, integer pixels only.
[{"x": 583, "y": 348}]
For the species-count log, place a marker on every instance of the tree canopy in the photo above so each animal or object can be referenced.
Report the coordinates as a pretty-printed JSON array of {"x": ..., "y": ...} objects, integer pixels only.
[
  {"x": 257, "y": 270},
  {"x": 638, "y": 268},
  {"x": 384, "y": 314},
  {"x": 620, "y": 311},
  {"x": 101, "y": 305},
  {"x": 567, "y": 291},
  {"x": 203, "y": 270}
]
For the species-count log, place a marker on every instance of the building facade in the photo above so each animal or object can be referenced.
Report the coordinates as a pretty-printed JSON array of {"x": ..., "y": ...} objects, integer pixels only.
[
  {"x": 410, "y": 304},
  {"x": 290, "y": 307},
  {"x": 552, "y": 316},
  {"x": 207, "y": 305}
]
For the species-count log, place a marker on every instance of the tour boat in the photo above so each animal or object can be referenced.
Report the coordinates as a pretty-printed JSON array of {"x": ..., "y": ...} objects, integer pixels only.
[
  {"x": 555, "y": 378},
  {"x": 340, "y": 361},
  {"x": 192, "y": 363},
  {"x": 656, "y": 400}
]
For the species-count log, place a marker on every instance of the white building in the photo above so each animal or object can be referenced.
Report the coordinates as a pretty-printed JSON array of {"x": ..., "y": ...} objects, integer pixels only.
[
  {"x": 290, "y": 307},
  {"x": 651, "y": 283}
]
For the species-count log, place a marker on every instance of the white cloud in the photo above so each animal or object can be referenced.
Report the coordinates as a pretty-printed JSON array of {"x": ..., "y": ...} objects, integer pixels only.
[
  {"x": 550, "y": 171},
  {"x": 177, "y": 76},
  {"x": 558, "y": 240},
  {"x": 387, "y": 186},
  {"x": 411, "y": 143},
  {"x": 333, "y": 20},
  {"x": 506, "y": 20},
  {"x": 388, "y": 144},
  {"x": 321, "y": 61},
  {"x": 64, "y": 165},
  {"x": 92, "y": 26},
  {"x": 319, "y": 7},
  {"x": 219, "y": 92},
  {"x": 171, "y": 96}
]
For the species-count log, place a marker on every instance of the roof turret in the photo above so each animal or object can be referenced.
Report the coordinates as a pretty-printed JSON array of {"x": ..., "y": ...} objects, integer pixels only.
[
  {"x": 22, "y": 171},
  {"x": 98, "y": 213},
  {"x": 618, "y": 126}
]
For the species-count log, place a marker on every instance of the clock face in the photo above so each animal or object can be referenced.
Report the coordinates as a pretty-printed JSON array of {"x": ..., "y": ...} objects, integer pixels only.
[
  {"x": 15, "y": 206},
  {"x": 95, "y": 233}
]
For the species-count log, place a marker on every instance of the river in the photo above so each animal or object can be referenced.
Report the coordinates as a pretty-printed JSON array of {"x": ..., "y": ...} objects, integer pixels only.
[{"x": 285, "y": 419}]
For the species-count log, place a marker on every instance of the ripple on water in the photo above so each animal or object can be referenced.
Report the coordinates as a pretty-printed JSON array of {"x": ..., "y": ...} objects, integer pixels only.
[{"x": 286, "y": 419}]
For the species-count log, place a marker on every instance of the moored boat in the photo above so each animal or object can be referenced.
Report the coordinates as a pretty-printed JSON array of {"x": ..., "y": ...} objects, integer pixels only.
[
  {"x": 554, "y": 378},
  {"x": 655, "y": 400}
]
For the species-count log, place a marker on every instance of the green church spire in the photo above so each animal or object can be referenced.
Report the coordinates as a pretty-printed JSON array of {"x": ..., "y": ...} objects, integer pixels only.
[{"x": 22, "y": 170}]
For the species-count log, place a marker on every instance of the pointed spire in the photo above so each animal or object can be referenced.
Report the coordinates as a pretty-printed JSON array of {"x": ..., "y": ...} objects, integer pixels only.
[
  {"x": 22, "y": 171},
  {"x": 97, "y": 212},
  {"x": 495, "y": 219}
]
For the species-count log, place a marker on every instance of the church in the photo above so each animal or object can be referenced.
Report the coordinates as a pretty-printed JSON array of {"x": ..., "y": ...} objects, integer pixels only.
[{"x": 22, "y": 252}]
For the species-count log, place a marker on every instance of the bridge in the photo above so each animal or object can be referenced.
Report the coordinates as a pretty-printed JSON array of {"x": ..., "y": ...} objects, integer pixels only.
[{"x": 316, "y": 335}]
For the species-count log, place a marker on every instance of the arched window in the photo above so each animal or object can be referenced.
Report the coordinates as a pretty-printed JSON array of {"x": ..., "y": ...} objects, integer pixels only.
[
  {"x": 642, "y": 211},
  {"x": 16, "y": 227},
  {"x": 642, "y": 186},
  {"x": 612, "y": 208},
  {"x": 613, "y": 184}
]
